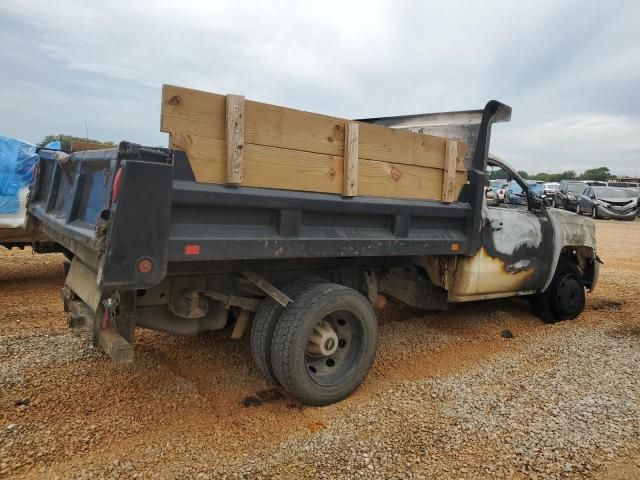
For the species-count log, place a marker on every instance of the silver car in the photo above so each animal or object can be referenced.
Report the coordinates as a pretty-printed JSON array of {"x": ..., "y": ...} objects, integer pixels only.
[{"x": 608, "y": 202}]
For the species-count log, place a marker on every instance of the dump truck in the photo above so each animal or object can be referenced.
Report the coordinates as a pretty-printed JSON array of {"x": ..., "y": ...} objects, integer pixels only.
[{"x": 164, "y": 239}]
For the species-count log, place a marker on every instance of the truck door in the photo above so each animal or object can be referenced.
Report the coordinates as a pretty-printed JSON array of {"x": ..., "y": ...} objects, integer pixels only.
[{"x": 516, "y": 253}]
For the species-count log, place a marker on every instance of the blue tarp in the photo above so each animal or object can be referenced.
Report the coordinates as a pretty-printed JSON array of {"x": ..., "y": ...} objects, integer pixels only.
[{"x": 17, "y": 159}]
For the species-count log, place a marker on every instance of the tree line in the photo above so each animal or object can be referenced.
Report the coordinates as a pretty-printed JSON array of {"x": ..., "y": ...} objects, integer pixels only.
[{"x": 601, "y": 173}]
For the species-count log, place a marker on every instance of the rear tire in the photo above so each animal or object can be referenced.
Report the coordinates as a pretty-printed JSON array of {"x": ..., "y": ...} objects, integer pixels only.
[
  {"x": 324, "y": 344},
  {"x": 264, "y": 324},
  {"x": 564, "y": 299}
]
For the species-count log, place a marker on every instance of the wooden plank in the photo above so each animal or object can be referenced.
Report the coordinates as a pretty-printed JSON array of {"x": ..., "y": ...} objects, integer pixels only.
[
  {"x": 200, "y": 113},
  {"x": 235, "y": 139},
  {"x": 267, "y": 167},
  {"x": 383, "y": 179},
  {"x": 82, "y": 146},
  {"x": 401, "y": 146},
  {"x": 271, "y": 167},
  {"x": 351, "y": 159},
  {"x": 449, "y": 173}
]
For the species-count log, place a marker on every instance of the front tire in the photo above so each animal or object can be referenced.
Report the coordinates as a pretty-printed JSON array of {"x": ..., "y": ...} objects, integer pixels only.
[
  {"x": 324, "y": 344},
  {"x": 564, "y": 299}
]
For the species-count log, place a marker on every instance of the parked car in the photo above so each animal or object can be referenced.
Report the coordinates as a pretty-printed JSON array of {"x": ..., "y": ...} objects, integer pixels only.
[
  {"x": 502, "y": 191},
  {"x": 550, "y": 188},
  {"x": 499, "y": 187},
  {"x": 608, "y": 202},
  {"x": 515, "y": 196},
  {"x": 624, "y": 184},
  {"x": 568, "y": 194},
  {"x": 492, "y": 197},
  {"x": 595, "y": 183}
]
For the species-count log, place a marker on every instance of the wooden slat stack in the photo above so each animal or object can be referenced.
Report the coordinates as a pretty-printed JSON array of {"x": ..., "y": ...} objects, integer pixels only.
[{"x": 230, "y": 140}]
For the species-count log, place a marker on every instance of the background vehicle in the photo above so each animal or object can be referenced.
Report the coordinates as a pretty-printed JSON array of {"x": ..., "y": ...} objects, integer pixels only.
[
  {"x": 623, "y": 184},
  {"x": 307, "y": 267},
  {"x": 491, "y": 196},
  {"x": 502, "y": 191},
  {"x": 595, "y": 183},
  {"x": 549, "y": 189},
  {"x": 500, "y": 187},
  {"x": 568, "y": 194},
  {"x": 515, "y": 195},
  {"x": 608, "y": 202},
  {"x": 17, "y": 161}
]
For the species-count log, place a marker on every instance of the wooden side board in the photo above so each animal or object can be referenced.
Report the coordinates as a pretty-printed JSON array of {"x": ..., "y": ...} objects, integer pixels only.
[
  {"x": 204, "y": 114},
  {"x": 272, "y": 167},
  {"x": 292, "y": 149}
]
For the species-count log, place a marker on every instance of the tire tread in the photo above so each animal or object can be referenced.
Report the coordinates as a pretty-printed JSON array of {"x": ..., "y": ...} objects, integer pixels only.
[
  {"x": 283, "y": 342},
  {"x": 264, "y": 324}
]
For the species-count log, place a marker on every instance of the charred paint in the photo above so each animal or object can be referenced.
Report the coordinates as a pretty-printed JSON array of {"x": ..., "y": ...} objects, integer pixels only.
[
  {"x": 574, "y": 232},
  {"x": 516, "y": 256},
  {"x": 484, "y": 274}
]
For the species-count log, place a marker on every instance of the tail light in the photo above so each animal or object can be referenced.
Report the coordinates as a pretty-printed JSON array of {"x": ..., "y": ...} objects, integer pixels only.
[
  {"x": 117, "y": 180},
  {"x": 145, "y": 265}
]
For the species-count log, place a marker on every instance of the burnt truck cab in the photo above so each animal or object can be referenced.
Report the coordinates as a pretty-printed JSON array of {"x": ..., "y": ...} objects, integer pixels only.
[
  {"x": 152, "y": 248},
  {"x": 544, "y": 254},
  {"x": 523, "y": 248}
]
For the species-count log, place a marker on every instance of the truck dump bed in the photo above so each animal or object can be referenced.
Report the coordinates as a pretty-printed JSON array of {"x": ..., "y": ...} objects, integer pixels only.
[{"x": 133, "y": 213}]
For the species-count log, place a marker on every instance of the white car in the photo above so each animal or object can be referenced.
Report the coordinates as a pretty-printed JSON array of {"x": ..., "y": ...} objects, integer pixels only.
[{"x": 550, "y": 188}]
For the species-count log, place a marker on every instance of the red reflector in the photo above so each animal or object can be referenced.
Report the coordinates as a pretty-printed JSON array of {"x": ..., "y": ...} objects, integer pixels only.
[
  {"x": 192, "y": 249},
  {"x": 145, "y": 265},
  {"x": 116, "y": 186}
]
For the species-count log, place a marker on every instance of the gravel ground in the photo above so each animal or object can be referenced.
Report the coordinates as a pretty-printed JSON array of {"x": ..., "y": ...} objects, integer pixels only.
[{"x": 447, "y": 397}]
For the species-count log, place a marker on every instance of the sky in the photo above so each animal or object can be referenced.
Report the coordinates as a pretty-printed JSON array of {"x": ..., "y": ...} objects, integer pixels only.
[{"x": 569, "y": 69}]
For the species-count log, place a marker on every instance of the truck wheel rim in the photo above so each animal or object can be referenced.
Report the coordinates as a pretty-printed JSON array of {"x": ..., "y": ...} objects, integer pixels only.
[
  {"x": 335, "y": 348},
  {"x": 569, "y": 297}
]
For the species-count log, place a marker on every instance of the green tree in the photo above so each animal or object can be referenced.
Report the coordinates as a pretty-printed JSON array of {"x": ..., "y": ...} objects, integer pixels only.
[
  {"x": 65, "y": 141},
  {"x": 542, "y": 176},
  {"x": 600, "y": 173},
  {"x": 497, "y": 173},
  {"x": 568, "y": 175},
  {"x": 523, "y": 174}
]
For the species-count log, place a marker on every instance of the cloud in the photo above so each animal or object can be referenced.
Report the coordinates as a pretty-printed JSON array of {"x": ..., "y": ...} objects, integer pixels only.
[{"x": 557, "y": 64}]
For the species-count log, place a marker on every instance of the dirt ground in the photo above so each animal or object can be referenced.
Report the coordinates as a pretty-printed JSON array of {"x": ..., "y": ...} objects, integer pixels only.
[{"x": 181, "y": 410}]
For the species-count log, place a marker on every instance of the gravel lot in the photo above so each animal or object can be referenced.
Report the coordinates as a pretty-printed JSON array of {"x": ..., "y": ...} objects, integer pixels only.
[{"x": 447, "y": 397}]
